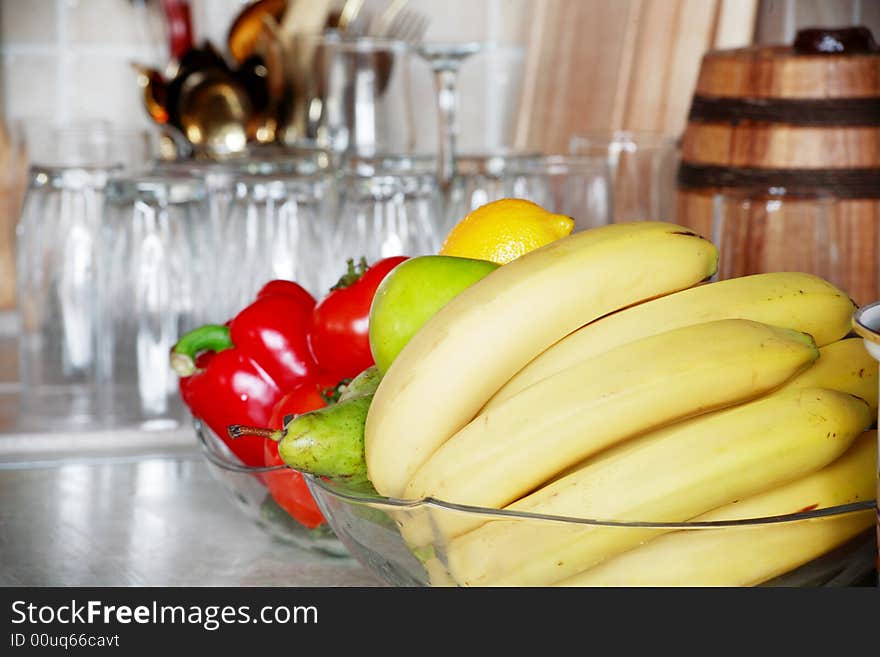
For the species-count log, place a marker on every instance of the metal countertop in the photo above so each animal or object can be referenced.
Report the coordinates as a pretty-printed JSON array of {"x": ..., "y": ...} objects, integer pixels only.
[{"x": 126, "y": 507}]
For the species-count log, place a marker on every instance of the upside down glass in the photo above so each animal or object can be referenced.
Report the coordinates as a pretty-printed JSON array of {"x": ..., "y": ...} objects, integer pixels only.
[
  {"x": 157, "y": 267},
  {"x": 302, "y": 184},
  {"x": 761, "y": 229},
  {"x": 642, "y": 168},
  {"x": 86, "y": 143},
  {"x": 278, "y": 225},
  {"x": 386, "y": 208},
  {"x": 57, "y": 257},
  {"x": 58, "y": 248},
  {"x": 574, "y": 185}
]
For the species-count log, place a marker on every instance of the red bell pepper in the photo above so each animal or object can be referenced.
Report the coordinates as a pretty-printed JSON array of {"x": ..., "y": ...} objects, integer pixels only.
[
  {"x": 339, "y": 333},
  {"x": 287, "y": 486},
  {"x": 255, "y": 358}
]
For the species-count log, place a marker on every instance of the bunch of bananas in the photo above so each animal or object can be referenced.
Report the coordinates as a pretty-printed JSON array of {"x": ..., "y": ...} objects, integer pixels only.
[{"x": 602, "y": 377}]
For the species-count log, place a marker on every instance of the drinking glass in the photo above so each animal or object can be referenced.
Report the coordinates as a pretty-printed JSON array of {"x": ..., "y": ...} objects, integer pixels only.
[
  {"x": 278, "y": 225},
  {"x": 87, "y": 143},
  {"x": 349, "y": 94},
  {"x": 445, "y": 61},
  {"x": 387, "y": 207},
  {"x": 220, "y": 182},
  {"x": 157, "y": 267},
  {"x": 58, "y": 245},
  {"x": 574, "y": 185},
  {"x": 483, "y": 178},
  {"x": 642, "y": 167},
  {"x": 763, "y": 229},
  {"x": 489, "y": 84}
]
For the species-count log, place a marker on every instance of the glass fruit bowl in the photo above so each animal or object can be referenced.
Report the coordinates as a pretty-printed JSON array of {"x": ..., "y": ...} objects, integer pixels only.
[
  {"x": 248, "y": 489},
  {"x": 405, "y": 543}
]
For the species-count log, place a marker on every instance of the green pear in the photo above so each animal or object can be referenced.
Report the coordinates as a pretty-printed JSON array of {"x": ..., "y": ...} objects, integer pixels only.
[
  {"x": 364, "y": 383},
  {"x": 411, "y": 294},
  {"x": 329, "y": 441}
]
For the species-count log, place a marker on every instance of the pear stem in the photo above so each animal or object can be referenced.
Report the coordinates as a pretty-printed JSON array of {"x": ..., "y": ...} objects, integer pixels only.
[{"x": 240, "y": 430}]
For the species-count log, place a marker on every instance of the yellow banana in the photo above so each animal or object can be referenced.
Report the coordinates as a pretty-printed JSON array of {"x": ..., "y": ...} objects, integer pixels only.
[
  {"x": 794, "y": 300},
  {"x": 514, "y": 448},
  {"x": 475, "y": 343},
  {"x": 749, "y": 555},
  {"x": 669, "y": 475},
  {"x": 845, "y": 366}
]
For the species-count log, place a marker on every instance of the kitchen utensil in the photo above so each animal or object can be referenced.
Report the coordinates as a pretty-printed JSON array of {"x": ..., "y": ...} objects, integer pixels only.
[
  {"x": 642, "y": 168},
  {"x": 247, "y": 27},
  {"x": 381, "y": 24},
  {"x": 254, "y": 77},
  {"x": 202, "y": 58},
  {"x": 406, "y": 25},
  {"x": 171, "y": 142},
  {"x": 155, "y": 262},
  {"x": 155, "y": 92},
  {"x": 351, "y": 17},
  {"x": 305, "y": 17},
  {"x": 793, "y": 116},
  {"x": 214, "y": 110},
  {"x": 178, "y": 20},
  {"x": 301, "y": 21}
]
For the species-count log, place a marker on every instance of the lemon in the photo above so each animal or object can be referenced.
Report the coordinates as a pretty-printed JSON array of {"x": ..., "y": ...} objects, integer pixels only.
[{"x": 504, "y": 230}]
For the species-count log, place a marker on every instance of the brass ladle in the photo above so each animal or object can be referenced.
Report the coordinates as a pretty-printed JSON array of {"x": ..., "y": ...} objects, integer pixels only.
[
  {"x": 155, "y": 92},
  {"x": 214, "y": 111}
]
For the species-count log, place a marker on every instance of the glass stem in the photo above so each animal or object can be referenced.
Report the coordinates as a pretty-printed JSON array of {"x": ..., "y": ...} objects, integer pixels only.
[{"x": 445, "y": 84}]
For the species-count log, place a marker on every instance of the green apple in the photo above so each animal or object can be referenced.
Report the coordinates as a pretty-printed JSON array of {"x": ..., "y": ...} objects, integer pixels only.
[{"x": 411, "y": 294}]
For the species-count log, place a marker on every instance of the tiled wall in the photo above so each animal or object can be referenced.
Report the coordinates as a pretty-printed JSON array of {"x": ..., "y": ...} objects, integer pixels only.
[{"x": 71, "y": 59}]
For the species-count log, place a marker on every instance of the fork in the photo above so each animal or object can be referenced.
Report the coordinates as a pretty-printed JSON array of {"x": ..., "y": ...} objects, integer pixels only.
[
  {"x": 407, "y": 25},
  {"x": 397, "y": 21}
]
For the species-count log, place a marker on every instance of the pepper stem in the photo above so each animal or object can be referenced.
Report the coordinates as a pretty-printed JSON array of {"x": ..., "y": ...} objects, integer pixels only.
[
  {"x": 352, "y": 274},
  {"x": 210, "y": 337},
  {"x": 240, "y": 430}
]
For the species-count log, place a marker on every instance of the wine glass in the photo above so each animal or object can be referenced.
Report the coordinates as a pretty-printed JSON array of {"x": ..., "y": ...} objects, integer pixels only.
[{"x": 445, "y": 61}]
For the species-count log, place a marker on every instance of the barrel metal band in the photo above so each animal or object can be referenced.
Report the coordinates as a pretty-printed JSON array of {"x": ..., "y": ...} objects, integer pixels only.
[
  {"x": 798, "y": 112},
  {"x": 843, "y": 183}
]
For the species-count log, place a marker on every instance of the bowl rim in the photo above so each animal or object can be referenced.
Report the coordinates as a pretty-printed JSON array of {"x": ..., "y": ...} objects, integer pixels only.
[
  {"x": 869, "y": 332},
  {"x": 352, "y": 496},
  {"x": 355, "y": 497}
]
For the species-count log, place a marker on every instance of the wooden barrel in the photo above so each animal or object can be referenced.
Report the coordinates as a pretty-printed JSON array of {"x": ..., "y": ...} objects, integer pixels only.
[{"x": 804, "y": 116}]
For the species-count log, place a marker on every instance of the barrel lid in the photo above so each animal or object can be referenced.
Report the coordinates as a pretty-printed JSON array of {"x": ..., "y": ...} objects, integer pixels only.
[
  {"x": 812, "y": 41},
  {"x": 821, "y": 62},
  {"x": 856, "y": 40}
]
